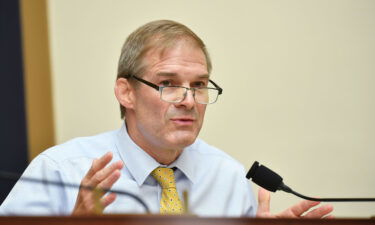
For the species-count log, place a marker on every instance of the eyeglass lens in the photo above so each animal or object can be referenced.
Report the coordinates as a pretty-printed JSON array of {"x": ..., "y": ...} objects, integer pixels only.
[{"x": 177, "y": 94}]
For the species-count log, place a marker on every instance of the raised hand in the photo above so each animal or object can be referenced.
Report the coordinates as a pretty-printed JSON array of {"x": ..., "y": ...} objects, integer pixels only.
[
  {"x": 300, "y": 210},
  {"x": 100, "y": 176}
]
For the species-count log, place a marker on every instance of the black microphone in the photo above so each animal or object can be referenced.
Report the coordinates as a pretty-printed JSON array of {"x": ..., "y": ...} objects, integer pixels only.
[
  {"x": 272, "y": 181},
  {"x": 14, "y": 177}
]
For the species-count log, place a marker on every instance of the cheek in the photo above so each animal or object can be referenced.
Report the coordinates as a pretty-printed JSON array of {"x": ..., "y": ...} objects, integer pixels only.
[
  {"x": 153, "y": 110},
  {"x": 201, "y": 111}
]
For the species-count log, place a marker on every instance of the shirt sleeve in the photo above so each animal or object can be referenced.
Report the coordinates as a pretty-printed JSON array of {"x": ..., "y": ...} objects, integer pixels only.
[{"x": 37, "y": 198}]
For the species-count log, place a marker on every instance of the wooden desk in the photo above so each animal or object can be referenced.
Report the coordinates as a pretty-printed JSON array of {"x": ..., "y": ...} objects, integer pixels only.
[{"x": 171, "y": 220}]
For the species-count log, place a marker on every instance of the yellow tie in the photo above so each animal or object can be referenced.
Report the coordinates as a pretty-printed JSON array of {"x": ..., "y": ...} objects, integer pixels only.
[{"x": 170, "y": 203}]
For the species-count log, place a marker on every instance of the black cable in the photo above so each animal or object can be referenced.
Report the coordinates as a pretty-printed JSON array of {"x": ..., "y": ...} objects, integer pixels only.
[
  {"x": 14, "y": 176},
  {"x": 287, "y": 189}
]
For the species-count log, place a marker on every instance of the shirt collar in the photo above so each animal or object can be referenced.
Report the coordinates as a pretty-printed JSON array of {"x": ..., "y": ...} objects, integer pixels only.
[
  {"x": 140, "y": 164},
  {"x": 185, "y": 162}
]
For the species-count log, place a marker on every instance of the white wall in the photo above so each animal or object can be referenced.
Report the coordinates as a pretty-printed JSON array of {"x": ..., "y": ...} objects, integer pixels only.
[{"x": 298, "y": 81}]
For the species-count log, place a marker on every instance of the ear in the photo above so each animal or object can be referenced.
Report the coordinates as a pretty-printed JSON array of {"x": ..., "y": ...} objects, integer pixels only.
[{"x": 124, "y": 93}]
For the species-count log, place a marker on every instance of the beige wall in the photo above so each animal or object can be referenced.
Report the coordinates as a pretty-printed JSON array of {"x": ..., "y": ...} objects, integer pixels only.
[{"x": 298, "y": 81}]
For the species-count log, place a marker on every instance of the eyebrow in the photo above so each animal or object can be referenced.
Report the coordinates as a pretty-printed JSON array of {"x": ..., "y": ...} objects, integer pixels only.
[{"x": 167, "y": 74}]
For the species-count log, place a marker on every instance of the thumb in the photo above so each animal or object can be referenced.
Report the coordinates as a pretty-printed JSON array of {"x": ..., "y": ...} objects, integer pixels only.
[{"x": 264, "y": 198}]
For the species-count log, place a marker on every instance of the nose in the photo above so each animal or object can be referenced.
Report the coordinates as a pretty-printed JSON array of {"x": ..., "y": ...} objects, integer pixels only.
[{"x": 188, "y": 102}]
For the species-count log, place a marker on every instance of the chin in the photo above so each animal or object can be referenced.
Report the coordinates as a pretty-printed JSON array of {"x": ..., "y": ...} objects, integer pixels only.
[{"x": 184, "y": 139}]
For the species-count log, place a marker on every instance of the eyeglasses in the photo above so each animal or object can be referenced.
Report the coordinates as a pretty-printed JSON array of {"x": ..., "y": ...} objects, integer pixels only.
[{"x": 176, "y": 94}]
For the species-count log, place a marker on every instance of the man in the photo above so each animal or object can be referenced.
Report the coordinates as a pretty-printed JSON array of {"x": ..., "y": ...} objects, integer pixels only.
[{"x": 163, "y": 87}]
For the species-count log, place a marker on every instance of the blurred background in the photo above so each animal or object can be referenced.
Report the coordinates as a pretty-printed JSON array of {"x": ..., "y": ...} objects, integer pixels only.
[{"x": 298, "y": 79}]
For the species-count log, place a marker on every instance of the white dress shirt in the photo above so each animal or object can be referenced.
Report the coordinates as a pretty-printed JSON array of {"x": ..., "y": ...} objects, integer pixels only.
[{"x": 215, "y": 182}]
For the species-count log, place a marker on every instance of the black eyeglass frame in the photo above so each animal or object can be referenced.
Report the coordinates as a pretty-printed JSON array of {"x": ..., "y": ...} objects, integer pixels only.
[{"x": 159, "y": 88}]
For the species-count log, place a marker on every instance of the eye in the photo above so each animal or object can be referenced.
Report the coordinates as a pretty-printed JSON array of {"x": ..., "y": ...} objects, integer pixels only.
[
  {"x": 165, "y": 83},
  {"x": 199, "y": 84}
]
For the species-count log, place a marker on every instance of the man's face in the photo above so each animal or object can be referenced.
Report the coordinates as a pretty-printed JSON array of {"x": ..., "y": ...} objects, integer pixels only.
[{"x": 162, "y": 125}]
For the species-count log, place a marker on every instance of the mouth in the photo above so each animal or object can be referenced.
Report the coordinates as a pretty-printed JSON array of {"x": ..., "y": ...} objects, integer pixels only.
[{"x": 183, "y": 121}]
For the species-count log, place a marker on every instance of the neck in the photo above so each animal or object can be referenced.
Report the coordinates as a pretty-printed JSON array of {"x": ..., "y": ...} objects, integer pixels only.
[{"x": 164, "y": 157}]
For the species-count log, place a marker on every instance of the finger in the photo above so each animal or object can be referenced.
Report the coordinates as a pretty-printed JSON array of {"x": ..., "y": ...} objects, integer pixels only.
[
  {"x": 105, "y": 173},
  {"x": 264, "y": 199},
  {"x": 99, "y": 164},
  {"x": 301, "y": 207},
  {"x": 110, "y": 180},
  {"x": 329, "y": 217},
  {"x": 100, "y": 205},
  {"x": 108, "y": 199},
  {"x": 320, "y": 212}
]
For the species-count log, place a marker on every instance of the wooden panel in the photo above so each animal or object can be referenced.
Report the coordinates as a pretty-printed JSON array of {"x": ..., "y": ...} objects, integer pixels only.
[
  {"x": 173, "y": 220},
  {"x": 38, "y": 94}
]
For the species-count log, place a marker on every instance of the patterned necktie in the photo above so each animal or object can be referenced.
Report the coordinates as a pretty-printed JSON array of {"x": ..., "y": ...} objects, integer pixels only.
[{"x": 170, "y": 203}]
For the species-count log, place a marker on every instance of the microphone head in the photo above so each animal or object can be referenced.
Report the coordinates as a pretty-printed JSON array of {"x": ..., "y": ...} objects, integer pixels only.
[{"x": 264, "y": 177}]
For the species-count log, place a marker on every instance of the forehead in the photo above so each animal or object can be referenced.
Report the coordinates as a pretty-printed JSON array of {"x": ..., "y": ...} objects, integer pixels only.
[{"x": 183, "y": 57}]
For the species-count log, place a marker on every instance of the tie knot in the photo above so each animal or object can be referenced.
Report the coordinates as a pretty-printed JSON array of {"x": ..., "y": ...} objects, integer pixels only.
[{"x": 164, "y": 176}]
